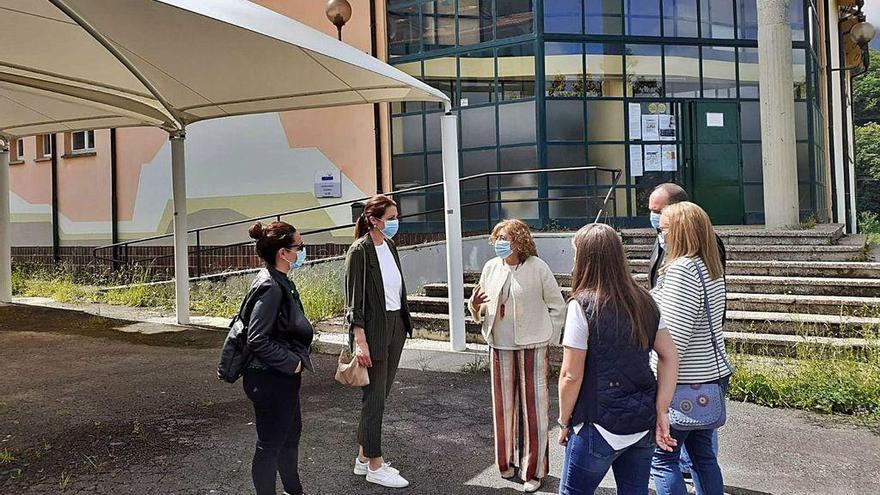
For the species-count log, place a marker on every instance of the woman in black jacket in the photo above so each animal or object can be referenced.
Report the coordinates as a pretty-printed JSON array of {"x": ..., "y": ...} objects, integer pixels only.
[{"x": 279, "y": 337}]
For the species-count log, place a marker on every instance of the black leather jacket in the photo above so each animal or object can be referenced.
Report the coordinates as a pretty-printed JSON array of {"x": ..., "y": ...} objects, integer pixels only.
[{"x": 274, "y": 338}]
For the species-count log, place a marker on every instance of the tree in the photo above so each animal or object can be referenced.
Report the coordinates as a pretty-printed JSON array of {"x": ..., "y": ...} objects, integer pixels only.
[
  {"x": 866, "y": 93},
  {"x": 868, "y": 168}
]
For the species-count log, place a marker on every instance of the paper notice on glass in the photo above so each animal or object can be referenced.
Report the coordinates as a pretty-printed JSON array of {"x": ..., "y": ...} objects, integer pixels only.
[
  {"x": 670, "y": 158},
  {"x": 667, "y": 128},
  {"x": 714, "y": 119},
  {"x": 636, "y": 165},
  {"x": 650, "y": 128},
  {"x": 653, "y": 160},
  {"x": 635, "y": 121}
]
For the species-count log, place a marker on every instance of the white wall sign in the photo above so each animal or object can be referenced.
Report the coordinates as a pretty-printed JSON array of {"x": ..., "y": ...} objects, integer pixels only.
[
  {"x": 714, "y": 119},
  {"x": 328, "y": 184}
]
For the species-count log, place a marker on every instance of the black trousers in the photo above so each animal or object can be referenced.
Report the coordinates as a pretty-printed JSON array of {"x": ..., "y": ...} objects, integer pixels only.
[
  {"x": 385, "y": 362},
  {"x": 279, "y": 426}
]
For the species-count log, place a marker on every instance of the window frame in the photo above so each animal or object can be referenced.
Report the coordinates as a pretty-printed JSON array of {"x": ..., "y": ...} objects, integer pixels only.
[{"x": 89, "y": 144}]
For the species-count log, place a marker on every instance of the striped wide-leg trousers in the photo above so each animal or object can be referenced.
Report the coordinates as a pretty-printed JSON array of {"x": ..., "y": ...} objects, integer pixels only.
[{"x": 521, "y": 411}]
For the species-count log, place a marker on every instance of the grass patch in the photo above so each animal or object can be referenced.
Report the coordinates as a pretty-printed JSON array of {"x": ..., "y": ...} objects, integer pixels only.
[
  {"x": 825, "y": 381},
  {"x": 869, "y": 224},
  {"x": 480, "y": 364},
  {"x": 320, "y": 287}
]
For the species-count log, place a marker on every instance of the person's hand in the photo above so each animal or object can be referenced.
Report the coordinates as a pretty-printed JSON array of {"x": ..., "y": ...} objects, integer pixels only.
[
  {"x": 563, "y": 435},
  {"x": 299, "y": 368},
  {"x": 361, "y": 349},
  {"x": 664, "y": 438},
  {"x": 478, "y": 298}
]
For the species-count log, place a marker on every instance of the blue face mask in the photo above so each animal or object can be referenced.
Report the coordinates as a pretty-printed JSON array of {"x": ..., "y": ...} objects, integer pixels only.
[
  {"x": 391, "y": 228},
  {"x": 300, "y": 259},
  {"x": 661, "y": 238},
  {"x": 502, "y": 248},
  {"x": 655, "y": 220}
]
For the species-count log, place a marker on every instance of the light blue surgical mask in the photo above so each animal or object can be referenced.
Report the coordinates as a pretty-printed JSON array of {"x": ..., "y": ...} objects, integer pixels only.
[
  {"x": 300, "y": 258},
  {"x": 661, "y": 238},
  {"x": 655, "y": 220},
  {"x": 391, "y": 228},
  {"x": 502, "y": 248}
]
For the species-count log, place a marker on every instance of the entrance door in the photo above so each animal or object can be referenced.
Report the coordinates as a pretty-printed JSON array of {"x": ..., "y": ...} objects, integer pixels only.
[{"x": 714, "y": 161}]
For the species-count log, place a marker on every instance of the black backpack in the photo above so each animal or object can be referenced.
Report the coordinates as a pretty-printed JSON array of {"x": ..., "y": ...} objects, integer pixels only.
[{"x": 235, "y": 355}]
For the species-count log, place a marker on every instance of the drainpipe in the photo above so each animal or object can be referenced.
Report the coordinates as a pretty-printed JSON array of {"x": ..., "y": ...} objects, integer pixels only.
[
  {"x": 56, "y": 236},
  {"x": 374, "y": 48},
  {"x": 114, "y": 200}
]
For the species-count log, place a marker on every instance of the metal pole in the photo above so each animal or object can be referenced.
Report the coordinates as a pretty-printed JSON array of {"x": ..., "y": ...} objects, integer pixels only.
[
  {"x": 5, "y": 226},
  {"x": 454, "y": 263},
  {"x": 56, "y": 229},
  {"x": 181, "y": 254},
  {"x": 114, "y": 198}
]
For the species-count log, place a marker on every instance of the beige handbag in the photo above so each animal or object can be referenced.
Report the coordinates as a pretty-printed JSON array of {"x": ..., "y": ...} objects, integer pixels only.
[{"x": 351, "y": 373}]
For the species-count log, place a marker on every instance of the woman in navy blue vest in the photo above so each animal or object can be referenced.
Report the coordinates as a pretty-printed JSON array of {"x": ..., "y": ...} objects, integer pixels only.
[{"x": 612, "y": 409}]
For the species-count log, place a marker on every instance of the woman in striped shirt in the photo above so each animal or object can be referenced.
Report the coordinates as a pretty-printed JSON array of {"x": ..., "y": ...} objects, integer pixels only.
[{"x": 692, "y": 252}]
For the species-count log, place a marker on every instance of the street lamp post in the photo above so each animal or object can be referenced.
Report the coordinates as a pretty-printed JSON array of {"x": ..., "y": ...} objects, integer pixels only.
[{"x": 339, "y": 12}]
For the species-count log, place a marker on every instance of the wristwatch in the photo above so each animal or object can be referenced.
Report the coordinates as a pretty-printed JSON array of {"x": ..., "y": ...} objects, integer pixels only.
[{"x": 561, "y": 424}]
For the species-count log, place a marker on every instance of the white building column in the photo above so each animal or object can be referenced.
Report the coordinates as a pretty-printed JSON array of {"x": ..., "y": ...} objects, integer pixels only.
[
  {"x": 776, "y": 81},
  {"x": 5, "y": 227},
  {"x": 452, "y": 205},
  {"x": 181, "y": 244}
]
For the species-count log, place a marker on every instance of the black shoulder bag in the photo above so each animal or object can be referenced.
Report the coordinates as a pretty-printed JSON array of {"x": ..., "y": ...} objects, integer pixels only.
[{"x": 236, "y": 356}]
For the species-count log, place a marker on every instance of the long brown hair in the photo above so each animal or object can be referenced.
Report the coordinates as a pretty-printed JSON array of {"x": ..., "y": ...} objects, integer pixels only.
[
  {"x": 601, "y": 274},
  {"x": 520, "y": 236},
  {"x": 691, "y": 235},
  {"x": 375, "y": 208}
]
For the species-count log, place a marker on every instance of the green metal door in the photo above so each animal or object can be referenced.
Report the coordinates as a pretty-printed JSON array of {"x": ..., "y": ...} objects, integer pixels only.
[{"x": 715, "y": 163}]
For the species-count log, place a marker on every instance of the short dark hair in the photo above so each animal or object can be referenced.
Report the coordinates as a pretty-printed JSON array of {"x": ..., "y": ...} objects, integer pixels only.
[
  {"x": 270, "y": 238},
  {"x": 674, "y": 192}
]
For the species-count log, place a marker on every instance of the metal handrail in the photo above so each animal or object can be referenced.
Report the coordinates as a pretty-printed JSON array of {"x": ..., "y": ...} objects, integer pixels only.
[{"x": 125, "y": 245}]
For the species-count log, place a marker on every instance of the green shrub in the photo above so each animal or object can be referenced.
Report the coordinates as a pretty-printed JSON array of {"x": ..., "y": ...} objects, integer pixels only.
[
  {"x": 869, "y": 224},
  {"x": 320, "y": 288}
]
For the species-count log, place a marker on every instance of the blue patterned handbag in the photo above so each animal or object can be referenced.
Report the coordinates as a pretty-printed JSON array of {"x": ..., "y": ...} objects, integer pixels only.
[{"x": 700, "y": 406}]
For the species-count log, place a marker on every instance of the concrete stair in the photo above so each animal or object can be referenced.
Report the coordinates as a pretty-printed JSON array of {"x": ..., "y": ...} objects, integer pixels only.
[{"x": 786, "y": 290}]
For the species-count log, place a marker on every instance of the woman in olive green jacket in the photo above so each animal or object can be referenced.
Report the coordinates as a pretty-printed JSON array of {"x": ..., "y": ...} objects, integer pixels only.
[{"x": 379, "y": 322}]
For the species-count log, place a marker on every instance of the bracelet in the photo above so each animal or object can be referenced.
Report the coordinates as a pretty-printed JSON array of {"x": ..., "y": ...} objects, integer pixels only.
[{"x": 561, "y": 424}]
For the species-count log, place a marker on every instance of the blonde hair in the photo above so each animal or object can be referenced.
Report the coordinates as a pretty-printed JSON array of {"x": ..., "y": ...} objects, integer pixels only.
[
  {"x": 519, "y": 235},
  {"x": 691, "y": 235}
]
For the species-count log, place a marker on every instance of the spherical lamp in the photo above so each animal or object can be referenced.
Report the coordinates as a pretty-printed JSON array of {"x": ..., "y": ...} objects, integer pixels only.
[
  {"x": 339, "y": 12},
  {"x": 862, "y": 33}
]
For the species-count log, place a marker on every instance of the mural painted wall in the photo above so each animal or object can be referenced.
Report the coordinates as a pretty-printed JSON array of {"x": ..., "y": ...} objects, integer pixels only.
[{"x": 237, "y": 168}]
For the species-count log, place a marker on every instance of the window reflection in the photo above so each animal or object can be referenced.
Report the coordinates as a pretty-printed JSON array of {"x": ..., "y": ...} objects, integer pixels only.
[
  {"x": 644, "y": 71},
  {"x": 438, "y": 24},
  {"x": 719, "y": 72},
  {"x": 516, "y": 122},
  {"x": 477, "y": 127},
  {"x": 747, "y": 19},
  {"x": 404, "y": 28},
  {"x": 516, "y": 72},
  {"x": 748, "y": 73},
  {"x": 800, "y": 74},
  {"x": 680, "y": 18},
  {"x": 604, "y": 70},
  {"x": 797, "y": 19},
  {"x": 406, "y": 134},
  {"x": 643, "y": 17},
  {"x": 440, "y": 73},
  {"x": 564, "y": 67},
  {"x": 477, "y": 77},
  {"x": 563, "y": 16},
  {"x": 717, "y": 18},
  {"x": 605, "y": 120},
  {"x": 474, "y": 21},
  {"x": 603, "y": 17},
  {"x": 514, "y": 18},
  {"x": 682, "y": 71}
]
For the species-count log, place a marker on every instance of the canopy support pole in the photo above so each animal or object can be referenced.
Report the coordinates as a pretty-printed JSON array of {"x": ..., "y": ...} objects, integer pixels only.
[
  {"x": 181, "y": 239},
  {"x": 452, "y": 203},
  {"x": 5, "y": 226}
]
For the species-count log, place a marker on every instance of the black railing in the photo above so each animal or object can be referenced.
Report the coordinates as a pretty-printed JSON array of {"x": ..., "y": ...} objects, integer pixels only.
[{"x": 121, "y": 252}]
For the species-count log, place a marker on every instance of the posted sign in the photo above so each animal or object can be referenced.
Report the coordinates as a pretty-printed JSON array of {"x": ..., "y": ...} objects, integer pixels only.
[{"x": 328, "y": 184}]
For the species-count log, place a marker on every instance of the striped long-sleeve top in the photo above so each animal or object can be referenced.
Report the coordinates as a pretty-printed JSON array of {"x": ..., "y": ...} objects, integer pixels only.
[{"x": 679, "y": 295}]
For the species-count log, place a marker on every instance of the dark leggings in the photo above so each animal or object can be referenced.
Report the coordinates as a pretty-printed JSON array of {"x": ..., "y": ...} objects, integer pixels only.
[{"x": 279, "y": 425}]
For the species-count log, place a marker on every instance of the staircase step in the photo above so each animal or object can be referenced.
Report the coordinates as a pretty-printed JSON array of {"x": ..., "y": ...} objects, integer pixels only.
[
  {"x": 739, "y": 302},
  {"x": 838, "y": 269},
  {"x": 799, "y": 324},
  {"x": 825, "y": 234},
  {"x": 772, "y": 252}
]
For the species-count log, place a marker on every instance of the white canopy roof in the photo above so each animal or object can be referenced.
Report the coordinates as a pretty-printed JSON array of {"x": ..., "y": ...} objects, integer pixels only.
[{"x": 87, "y": 64}]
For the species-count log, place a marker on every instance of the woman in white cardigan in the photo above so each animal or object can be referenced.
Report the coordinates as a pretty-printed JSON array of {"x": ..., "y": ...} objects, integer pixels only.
[{"x": 522, "y": 311}]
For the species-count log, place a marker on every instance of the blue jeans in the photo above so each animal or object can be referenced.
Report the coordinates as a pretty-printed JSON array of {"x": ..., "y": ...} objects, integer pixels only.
[
  {"x": 588, "y": 458},
  {"x": 702, "y": 450},
  {"x": 686, "y": 465}
]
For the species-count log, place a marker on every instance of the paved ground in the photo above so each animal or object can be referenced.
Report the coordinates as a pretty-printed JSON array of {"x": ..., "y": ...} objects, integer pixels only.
[{"x": 90, "y": 405}]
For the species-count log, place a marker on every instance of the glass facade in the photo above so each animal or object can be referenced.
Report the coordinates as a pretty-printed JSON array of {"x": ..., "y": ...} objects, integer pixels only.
[{"x": 608, "y": 83}]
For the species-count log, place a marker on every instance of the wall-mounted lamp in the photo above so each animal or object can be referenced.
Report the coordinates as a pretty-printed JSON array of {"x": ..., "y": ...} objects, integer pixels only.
[{"x": 339, "y": 12}]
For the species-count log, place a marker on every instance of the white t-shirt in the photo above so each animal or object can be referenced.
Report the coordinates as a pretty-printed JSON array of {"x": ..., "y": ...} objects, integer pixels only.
[
  {"x": 391, "y": 278},
  {"x": 576, "y": 337}
]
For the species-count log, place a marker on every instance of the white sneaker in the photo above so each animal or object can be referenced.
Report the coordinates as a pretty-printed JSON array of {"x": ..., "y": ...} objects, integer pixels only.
[
  {"x": 532, "y": 486},
  {"x": 386, "y": 476},
  {"x": 360, "y": 468}
]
